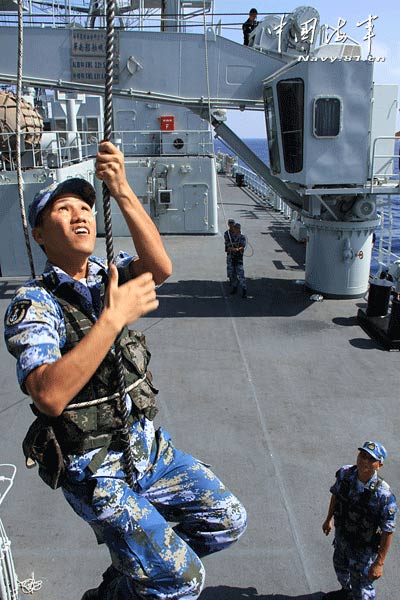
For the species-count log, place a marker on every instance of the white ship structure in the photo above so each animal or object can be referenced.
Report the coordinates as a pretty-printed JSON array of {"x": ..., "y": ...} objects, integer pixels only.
[{"x": 329, "y": 128}]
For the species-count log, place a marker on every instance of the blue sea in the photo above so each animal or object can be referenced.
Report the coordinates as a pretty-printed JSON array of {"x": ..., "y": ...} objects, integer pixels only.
[{"x": 259, "y": 147}]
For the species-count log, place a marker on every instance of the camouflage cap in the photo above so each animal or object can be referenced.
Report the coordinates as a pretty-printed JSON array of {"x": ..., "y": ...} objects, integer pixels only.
[
  {"x": 231, "y": 221},
  {"x": 74, "y": 185},
  {"x": 375, "y": 449}
]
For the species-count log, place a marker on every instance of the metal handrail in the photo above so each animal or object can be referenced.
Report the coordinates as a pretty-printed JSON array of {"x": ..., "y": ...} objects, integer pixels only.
[
  {"x": 390, "y": 157},
  {"x": 60, "y": 148},
  {"x": 263, "y": 192},
  {"x": 385, "y": 255}
]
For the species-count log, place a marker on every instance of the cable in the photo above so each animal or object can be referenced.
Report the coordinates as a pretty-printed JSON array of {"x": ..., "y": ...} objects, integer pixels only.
[
  {"x": 127, "y": 453},
  {"x": 18, "y": 137},
  {"x": 30, "y": 585}
]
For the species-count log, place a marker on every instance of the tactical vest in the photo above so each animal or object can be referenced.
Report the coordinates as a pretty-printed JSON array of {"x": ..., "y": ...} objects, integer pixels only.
[
  {"x": 357, "y": 521},
  {"x": 93, "y": 417}
]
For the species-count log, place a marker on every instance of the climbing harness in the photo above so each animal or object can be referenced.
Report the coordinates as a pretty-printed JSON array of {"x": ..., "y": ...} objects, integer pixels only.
[
  {"x": 18, "y": 137},
  {"x": 124, "y": 435}
]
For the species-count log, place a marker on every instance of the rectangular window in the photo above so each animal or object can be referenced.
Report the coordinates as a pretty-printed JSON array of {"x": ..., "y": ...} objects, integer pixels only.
[
  {"x": 291, "y": 114},
  {"x": 92, "y": 124},
  {"x": 272, "y": 133},
  {"x": 327, "y": 117},
  {"x": 60, "y": 124}
]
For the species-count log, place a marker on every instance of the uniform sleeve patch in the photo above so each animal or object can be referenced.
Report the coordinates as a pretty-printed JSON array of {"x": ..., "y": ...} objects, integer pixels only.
[{"x": 18, "y": 312}]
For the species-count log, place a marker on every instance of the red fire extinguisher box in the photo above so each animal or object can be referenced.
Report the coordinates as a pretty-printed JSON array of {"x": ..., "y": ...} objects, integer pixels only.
[{"x": 167, "y": 123}]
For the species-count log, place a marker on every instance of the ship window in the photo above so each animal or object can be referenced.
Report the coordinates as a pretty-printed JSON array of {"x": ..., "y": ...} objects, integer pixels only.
[
  {"x": 327, "y": 117},
  {"x": 272, "y": 134},
  {"x": 92, "y": 124},
  {"x": 60, "y": 124},
  {"x": 291, "y": 113},
  {"x": 79, "y": 124}
]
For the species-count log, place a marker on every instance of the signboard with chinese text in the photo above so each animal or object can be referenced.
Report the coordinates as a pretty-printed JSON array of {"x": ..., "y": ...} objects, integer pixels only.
[{"x": 88, "y": 56}]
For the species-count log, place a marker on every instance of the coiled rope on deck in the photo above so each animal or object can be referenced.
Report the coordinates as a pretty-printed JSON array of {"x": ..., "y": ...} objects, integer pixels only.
[
  {"x": 109, "y": 74},
  {"x": 18, "y": 136}
]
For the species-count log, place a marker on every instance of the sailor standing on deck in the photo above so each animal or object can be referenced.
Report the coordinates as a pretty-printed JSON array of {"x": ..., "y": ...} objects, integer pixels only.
[
  {"x": 249, "y": 25},
  {"x": 61, "y": 328},
  {"x": 228, "y": 239},
  {"x": 239, "y": 243},
  {"x": 363, "y": 509}
]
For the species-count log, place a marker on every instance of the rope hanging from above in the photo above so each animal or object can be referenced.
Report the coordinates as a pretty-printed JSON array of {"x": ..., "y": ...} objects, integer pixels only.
[
  {"x": 18, "y": 136},
  {"x": 125, "y": 439}
]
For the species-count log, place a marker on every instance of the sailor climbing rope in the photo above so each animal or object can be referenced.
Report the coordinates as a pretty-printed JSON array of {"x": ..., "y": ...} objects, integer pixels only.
[
  {"x": 93, "y": 395},
  {"x": 61, "y": 328}
]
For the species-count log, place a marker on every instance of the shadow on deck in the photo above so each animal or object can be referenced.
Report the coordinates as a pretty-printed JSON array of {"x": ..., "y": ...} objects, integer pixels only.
[
  {"x": 267, "y": 297},
  {"x": 224, "y": 592}
]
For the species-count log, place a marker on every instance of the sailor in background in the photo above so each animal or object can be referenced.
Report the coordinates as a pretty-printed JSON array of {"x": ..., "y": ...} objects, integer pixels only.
[
  {"x": 61, "y": 328},
  {"x": 239, "y": 243},
  {"x": 228, "y": 239},
  {"x": 249, "y": 25},
  {"x": 363, "y": 509}
]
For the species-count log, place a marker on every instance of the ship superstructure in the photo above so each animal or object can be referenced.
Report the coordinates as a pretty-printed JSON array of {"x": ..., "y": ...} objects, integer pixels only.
[{"x": 326, "y": 122}]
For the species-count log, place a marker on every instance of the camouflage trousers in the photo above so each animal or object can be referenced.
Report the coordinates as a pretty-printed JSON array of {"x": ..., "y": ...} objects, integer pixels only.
[
  {"x": 229, "y": 266},
  {"x": 150, "y": 558},
  {"x": 352, "y": 568},
  {"x": 236, "y": 274}
]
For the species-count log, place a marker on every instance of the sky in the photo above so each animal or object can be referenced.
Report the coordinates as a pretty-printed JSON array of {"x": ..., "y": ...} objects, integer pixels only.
[{"x": 386, "y": 42}]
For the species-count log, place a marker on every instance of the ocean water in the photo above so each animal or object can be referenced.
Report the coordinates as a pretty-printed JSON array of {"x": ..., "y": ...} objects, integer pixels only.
[{"x": 259, "y": 147}]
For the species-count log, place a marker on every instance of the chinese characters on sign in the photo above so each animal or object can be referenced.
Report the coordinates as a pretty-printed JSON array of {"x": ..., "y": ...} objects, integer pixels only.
[
  {"x": 88, "y": 50},
  {"x": 331, "y": 34}
]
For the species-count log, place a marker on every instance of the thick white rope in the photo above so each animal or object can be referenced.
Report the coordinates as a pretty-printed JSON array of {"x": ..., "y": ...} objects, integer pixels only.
[
  {"x": 105, "y": 398},
  {"x": 30, "y": 585}
]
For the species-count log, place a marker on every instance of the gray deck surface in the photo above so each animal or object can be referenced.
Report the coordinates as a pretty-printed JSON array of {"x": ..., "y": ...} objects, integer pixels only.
[{"x": 275, "y": 391}]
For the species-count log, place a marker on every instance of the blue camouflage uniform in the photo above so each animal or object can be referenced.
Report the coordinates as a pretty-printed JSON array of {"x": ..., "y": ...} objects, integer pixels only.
[
  {"x": 228, "y": 239},
  {"x": 369, "y": 508},
  {"x": 149, "y": 558},
  {"x": 237, "y": 275}
]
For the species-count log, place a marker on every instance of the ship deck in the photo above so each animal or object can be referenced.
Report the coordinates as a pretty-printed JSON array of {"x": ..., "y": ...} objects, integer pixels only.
[{"x": 274, "y": 391}]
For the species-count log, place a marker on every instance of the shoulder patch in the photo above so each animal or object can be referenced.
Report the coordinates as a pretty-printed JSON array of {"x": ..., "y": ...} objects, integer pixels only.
[{"x": 18, "y": 312}]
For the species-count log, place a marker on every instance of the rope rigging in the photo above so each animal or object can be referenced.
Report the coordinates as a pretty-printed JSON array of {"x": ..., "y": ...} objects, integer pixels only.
[
  {"x": 20, "y": 181},
  {"x": 108, "y": 109}
]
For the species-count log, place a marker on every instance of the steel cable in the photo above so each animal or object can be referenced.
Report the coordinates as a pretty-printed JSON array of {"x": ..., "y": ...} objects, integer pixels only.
[
  {"x": 109, "y": 75},
  {"x": 18, "y": 137}
]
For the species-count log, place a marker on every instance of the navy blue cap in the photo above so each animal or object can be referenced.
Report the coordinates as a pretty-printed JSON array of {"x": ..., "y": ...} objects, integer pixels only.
[
  {"x": 74, "y": 185},
  {"x": 238, "y": 225},
  {"x": 231, "y": 221},
  {"x": 375, "y": 449}
]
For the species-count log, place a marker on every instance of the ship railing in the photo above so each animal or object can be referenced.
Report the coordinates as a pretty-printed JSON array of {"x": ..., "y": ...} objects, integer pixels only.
[
  {"x": 8, "y": 576},
  {"x": 384, "y": 166},
  {"x": 262, "y": 192},
  {"x": 384, "y": 256},
  {"x": 53, "y": 14},
  {"x": 57, "y": 149},
  {"x": 193, "y": 142},
  {"x": 384, "y": 173}
]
